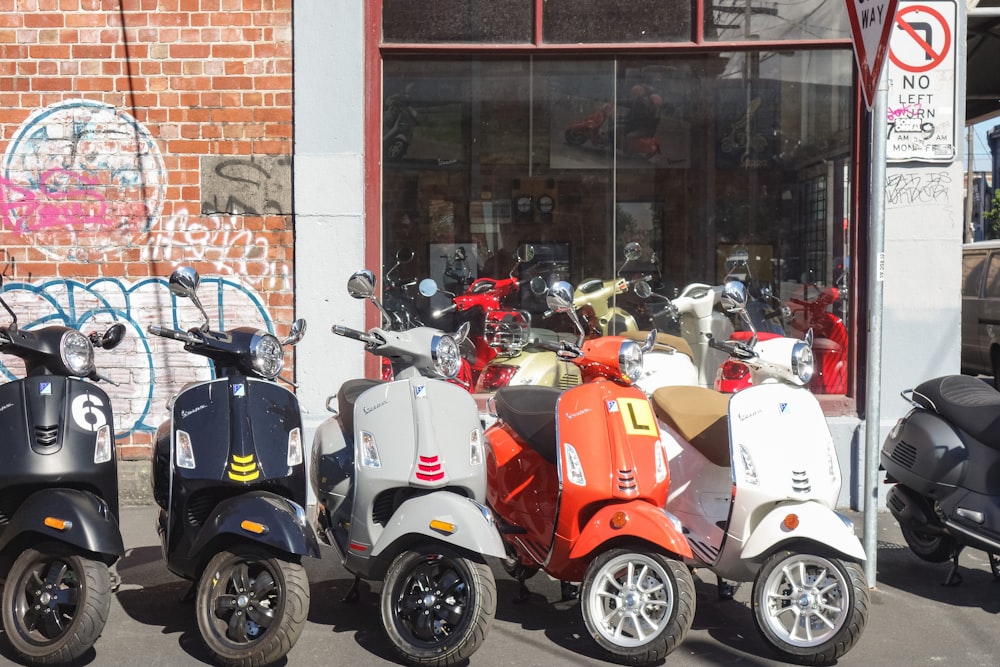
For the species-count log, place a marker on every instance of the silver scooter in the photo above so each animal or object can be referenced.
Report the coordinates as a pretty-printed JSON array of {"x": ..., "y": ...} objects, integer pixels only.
[{"x": 399, "y": 474}]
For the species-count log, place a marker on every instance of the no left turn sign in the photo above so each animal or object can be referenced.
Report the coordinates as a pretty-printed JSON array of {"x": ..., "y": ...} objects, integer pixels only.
[{"x": 926, "y": 41}]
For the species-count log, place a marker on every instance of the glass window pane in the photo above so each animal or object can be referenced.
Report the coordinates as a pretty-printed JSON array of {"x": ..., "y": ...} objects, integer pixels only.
[
  {"x": 597, "y": 21},
  {"x": 740, "y": 20},
  {"x": 715, "y": 164},
  {"x": 458, "y": 21}
]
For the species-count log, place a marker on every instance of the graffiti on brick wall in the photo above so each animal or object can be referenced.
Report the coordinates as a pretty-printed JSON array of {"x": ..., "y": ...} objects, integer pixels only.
[
  {"x": 257, "y": 185},
  {"x": 79, "y": 179},
  {"x": 146, "y": 368},
  {"x": 221, "y": 241}
]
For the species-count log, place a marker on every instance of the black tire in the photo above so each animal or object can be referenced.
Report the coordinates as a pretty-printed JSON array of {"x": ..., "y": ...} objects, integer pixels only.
[
  {"x": 437, "y": 606},
  {"x": 55, "y": 604},
  {"x": 931, "y": 547},
  {"x": 811, "y": 609},
  {"x": 251, "y": 606},
  {"x": 638, "y": 606}
]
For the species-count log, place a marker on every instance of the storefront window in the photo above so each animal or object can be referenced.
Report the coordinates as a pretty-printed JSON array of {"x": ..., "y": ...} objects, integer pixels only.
[
  {"x": 637, "y": 21},
  {"x": 716, "y": 163},
  {"x": 743, "y": 20},
  {"x": 458, "y": 21}
]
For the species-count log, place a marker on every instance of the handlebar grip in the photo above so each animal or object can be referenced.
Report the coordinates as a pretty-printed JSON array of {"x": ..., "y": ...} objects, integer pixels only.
[
  {"x": 350, "y": 333},
  {"x": 728, "y": 348},
  {"x": 164, "y": 332},
  {"x": 547, "y": 345}
]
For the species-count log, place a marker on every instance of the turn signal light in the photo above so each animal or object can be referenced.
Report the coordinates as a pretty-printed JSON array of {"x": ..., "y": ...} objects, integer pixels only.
[
  {"x": 58, "y": 524},
  {"x": 618, "y": 520},
  {"x": 791, "y": 522},
  {"x": 443, "y": 526},
  {"x": 734, "y": 370},
  {"x": 495, "y": 377},
  {"x": 253, "y": 527}
]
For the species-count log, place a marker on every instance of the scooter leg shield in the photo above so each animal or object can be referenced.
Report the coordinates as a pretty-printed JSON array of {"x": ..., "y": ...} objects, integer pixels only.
[
  {"x": 812, "y": 522},
  {"x": 75, "y": 517},
  {"x": 262, "y": 517},
  {"x": 444, "y": 517}
]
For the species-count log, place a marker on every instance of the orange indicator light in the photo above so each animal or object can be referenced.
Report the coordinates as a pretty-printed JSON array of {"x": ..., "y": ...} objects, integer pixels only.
[
  {"x": 791, "y": 522},
  {"x": 253, "y": 527},
  {"x": 58, "y": 524},
  {"x": 618, "y": 520}
]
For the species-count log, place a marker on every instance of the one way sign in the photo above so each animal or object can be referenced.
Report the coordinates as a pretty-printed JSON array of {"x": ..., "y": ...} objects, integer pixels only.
[{"x": 871, "y": 23}]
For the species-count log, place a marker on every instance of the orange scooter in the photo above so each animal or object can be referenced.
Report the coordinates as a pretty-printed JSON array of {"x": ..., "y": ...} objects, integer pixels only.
[{"x": 578, "y": 480}]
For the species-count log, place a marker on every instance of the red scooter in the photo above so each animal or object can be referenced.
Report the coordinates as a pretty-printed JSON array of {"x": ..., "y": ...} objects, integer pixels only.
[
  {"x": 830, "y": 336},
  {"x": 587, "y": 505},
  {"x": 484, "y": 306},
  {"x": 596, "y": 130}
]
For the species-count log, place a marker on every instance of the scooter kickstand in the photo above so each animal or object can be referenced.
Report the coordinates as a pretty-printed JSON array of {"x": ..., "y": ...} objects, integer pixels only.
[
  {"x": 727, "y": 591},
  {"x": 954, "y": 577},
  {"x": 569, "y": 590},
  {"x": 190, "y": 593},
  {"x": 353, "y": 594},
  {"x": 995, "y": 566},
  {"x": 523, "y": 594}
]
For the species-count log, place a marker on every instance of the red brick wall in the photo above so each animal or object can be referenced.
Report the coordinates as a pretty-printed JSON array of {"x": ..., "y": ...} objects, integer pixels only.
[{"x": 138, "y": 135}]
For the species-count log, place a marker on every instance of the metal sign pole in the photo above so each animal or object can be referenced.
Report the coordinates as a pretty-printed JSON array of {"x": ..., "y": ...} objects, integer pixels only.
[{"x": 876, "y": 275}]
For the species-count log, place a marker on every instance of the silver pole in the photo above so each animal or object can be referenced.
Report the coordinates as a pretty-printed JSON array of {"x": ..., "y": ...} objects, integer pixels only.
[{"x": 876, "y": 274}]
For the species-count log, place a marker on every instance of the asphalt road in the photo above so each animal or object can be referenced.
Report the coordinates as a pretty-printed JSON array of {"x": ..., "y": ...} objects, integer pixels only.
[{"x": 914, "y": 620}]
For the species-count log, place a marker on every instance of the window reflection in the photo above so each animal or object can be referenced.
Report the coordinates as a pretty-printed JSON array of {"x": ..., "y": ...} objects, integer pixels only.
[
  {"x": 739, "y": 20},
  {"x": 716, "y": 164}
]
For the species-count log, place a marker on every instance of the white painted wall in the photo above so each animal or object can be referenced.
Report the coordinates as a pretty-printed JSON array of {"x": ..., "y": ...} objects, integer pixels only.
[{"x": 329, "y": 195}]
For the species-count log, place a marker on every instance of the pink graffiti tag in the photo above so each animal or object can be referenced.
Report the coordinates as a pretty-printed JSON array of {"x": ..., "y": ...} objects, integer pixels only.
[
  {"x": 906, "y": 111},
  {"x": 63, "y": 198}
]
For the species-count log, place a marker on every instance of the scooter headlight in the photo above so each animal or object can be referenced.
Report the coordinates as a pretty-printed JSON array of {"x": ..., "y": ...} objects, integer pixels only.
[
  {"x": 266, "y": 355},
  {"x": 77, "y": 353},
  {"x": 803, "y": 364},
  {"x": 630, "y": 360},
  {"x": 446, "y": 354},
  {"x": 295, "y": 447}
]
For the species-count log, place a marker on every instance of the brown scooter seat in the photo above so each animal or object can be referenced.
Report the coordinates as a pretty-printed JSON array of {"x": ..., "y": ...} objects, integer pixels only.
[
  {"x": 700, "y": 416},
  {"x": 664, "y": 342},
  {"x": 531, "y": 412}
]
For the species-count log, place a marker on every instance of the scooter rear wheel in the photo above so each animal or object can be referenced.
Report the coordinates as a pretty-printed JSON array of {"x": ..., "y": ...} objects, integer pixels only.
[
  {"x": 933, "y": 548},
  {"x": 437, "y": 606},
  {"x": 55, "y": 604},
  {"x": 638, "y": 606},
  {"x": 251, "y": 606},
  {"x": 811, "y": 609}
]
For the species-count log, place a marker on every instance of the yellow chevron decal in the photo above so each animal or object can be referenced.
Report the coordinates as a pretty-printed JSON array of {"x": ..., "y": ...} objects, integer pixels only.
[{"x": 243, "y": 469}]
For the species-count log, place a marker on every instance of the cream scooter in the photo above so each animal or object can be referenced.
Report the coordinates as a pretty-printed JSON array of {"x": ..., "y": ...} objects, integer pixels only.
[{"x": 755, "y": 481}]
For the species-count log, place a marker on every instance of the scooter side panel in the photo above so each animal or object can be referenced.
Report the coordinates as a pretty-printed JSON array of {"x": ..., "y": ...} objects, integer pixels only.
[
  {"x": 928, "y": 455},
  {"x": 816, "y": 523}
]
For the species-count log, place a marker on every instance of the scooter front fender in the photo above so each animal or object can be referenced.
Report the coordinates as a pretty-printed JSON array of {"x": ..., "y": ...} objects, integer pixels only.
[
  {"x": 645, "y": 521},
  {"x": 474, "y": 528},
  {"x": 816, "y": 523},
  {"x": 74, "y": 517},
  {"x": 262, "y": 517}
]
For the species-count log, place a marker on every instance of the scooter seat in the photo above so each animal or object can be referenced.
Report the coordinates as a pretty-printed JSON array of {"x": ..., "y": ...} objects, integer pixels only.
[
  {"x": 700, "y": 415},
  {"x": 965, "y": 401},
  {"x": 664, "y": 342},
  {"x": 348, "y": 395},
  {"x": 531, "y": 412}
]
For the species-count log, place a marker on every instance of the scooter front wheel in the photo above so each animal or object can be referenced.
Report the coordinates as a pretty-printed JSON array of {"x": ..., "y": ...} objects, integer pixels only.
[
  {"x": 55, "y": 604},
  {"x": 251, "y": 606},
  {"x": 638, "y": 606},
  {"x": 810, "y": 608},
  {"x": 437, "y": 606}
]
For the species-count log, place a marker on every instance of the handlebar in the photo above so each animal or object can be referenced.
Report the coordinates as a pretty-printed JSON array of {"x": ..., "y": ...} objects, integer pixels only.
[
  {"x": 350, "y": 333},
  {"x": 562, "y": 348},
  {"x": 183, "y": 336},
  {"x": 732, "y": 348}
]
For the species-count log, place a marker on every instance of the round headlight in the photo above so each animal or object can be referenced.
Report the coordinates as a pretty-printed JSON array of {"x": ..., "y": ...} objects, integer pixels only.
[
  {"x": 266, "y": 355},
  {"x": 802, "y": 362},
  {"x": 630, "y": 360},
  {"x": 447, "y": 357},
  {"x": 77, "y": 353}
]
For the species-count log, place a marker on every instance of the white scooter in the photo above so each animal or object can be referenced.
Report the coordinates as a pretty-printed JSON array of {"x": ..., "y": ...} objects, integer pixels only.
[
  {"x": 400, "y": 479},
  {"x": 755, "y": 481}
]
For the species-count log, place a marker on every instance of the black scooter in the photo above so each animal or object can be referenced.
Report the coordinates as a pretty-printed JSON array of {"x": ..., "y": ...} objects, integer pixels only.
[
  {"x": 59, "y": 532},
  {"x": 942, "y": 458},
  {"x": 230, "y": 484}
]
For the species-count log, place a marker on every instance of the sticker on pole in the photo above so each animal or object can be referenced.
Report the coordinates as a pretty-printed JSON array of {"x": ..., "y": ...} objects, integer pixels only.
[{"x": 871, "y": 23}]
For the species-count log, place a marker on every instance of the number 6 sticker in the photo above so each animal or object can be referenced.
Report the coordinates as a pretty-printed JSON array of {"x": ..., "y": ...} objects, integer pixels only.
[
  {"x": 86, "y": 412},
  {"x": 637, "y": 416}
]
